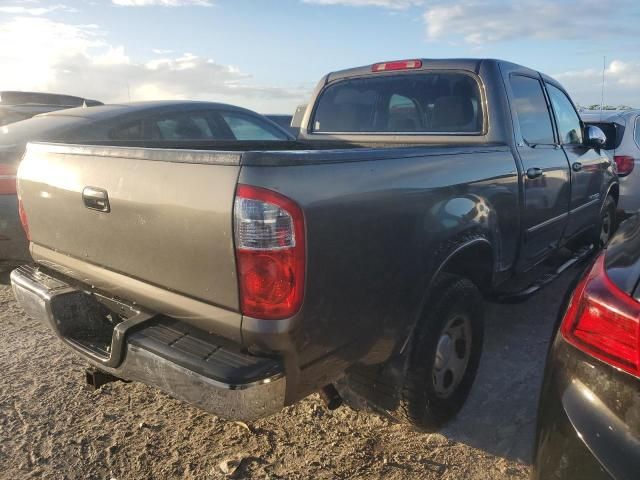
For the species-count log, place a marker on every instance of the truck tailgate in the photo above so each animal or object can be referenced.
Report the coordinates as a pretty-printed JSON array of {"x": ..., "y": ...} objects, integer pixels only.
[{"x": 169, "y": 218}]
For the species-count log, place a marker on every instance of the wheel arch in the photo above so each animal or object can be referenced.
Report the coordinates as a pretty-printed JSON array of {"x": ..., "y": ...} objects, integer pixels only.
[
  {"x": 472, "y": 257},
  {"x": 614, "y": 191}
]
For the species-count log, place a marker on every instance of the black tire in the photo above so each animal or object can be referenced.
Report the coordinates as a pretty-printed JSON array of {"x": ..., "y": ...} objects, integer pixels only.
[
  {"x": 424, "y": 404},
  {"x": 606, "y": 224}
]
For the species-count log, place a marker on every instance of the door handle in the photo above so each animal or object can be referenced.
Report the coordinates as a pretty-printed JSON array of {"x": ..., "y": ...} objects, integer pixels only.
[
  {"x": 96, "y": 199},
  {"x": 534, "y": 172},
  {"x": 576, "y": 167}
]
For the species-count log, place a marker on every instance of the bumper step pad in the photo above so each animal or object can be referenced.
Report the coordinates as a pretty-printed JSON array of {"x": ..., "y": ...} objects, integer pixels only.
[{"x": 202, "y": 353}]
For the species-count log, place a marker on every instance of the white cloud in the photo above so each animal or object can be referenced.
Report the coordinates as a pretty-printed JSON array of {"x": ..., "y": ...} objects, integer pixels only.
[
  {"x": 37, "y": 44},
  {"x": 77, "y": 59},
  {"x": 112, "y": 56},
  {"x": 162, "y": 3},
  {"x": 35, "y": 11},
  {"x": 483, "y": 21},
  {"x": 622, "y": 84},
  {"x": 392, "y": 4}
]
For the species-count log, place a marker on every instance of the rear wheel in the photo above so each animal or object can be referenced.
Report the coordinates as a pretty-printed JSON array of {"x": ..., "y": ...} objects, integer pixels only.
[
  {"x": 607, "y": 223},
  {"x": 445, "y": 353}
]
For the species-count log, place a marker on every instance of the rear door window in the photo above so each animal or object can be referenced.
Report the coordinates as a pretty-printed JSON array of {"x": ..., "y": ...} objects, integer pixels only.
[
  {"x": 434, "y": 102},
  {"x": 185, "y": 126},
  {"x": 128, "y": 131},
  {"x": 246, "y": 127},
  {"x": 531, "y": 109}
]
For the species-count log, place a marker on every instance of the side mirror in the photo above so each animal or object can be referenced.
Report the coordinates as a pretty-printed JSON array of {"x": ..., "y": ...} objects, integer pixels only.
[
  {"x": 296, "y": 121},
  {"x": 594, "y": 137}
]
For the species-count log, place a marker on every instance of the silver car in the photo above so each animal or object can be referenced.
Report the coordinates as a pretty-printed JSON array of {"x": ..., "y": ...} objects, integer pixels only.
[{"x": 622, "y": 128}]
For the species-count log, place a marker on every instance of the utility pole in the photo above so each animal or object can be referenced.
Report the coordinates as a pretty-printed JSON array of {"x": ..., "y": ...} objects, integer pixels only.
[{"x": 604, "y": 67}]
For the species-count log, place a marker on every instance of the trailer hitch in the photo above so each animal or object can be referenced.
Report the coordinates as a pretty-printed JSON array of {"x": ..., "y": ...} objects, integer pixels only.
[{"x": 96, "y": 378}]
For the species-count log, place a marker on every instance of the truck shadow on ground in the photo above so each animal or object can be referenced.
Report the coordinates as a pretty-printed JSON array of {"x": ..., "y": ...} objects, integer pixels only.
[{"x": 500, "y": 414}]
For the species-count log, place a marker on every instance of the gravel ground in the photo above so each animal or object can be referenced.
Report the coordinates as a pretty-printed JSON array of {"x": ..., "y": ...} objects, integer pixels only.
[{"x": 53, "y": 426}]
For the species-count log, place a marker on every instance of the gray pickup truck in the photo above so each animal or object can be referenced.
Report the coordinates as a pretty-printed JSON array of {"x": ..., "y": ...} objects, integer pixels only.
[{"x": 352, "y": 261}]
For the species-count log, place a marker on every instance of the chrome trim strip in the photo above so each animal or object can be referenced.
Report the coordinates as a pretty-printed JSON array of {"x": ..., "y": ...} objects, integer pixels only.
[
  {"x": 421, "y": 133},
  {"x": 585, "y": 205},
  {"x": 209, "y": 157},
  {"x": 546, "y": 223}
]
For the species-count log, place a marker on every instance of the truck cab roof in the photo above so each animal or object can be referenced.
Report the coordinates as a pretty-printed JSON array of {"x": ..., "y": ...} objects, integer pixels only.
[{"x": 468, "y": 64}]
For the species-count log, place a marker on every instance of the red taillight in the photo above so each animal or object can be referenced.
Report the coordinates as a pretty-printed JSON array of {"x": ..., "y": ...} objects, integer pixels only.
[
  {"x": 397, "y": 65},
  {"x": 7, "y": 179},
  {"x": 624, "y": 164},
  {"x": 270, "y": 251},
  {"x": 604, "y": 321},
  {"x": 23, "y": 219}
]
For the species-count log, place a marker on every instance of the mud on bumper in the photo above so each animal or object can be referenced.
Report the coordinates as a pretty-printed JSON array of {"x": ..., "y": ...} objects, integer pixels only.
[{"x": 187, "y": 363}]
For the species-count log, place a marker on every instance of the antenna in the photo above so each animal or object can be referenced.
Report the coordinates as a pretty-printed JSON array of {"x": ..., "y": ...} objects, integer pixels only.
[{"x": 604, "y": 67}]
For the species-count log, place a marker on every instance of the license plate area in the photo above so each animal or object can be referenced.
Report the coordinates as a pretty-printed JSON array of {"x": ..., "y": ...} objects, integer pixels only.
[
  {"x": 94, "y": 324},
  {"x": 81, "y": 319}
]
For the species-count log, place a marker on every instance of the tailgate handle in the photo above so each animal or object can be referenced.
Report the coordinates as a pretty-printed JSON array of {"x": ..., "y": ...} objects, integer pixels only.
[{"x": 96, "y": 199}]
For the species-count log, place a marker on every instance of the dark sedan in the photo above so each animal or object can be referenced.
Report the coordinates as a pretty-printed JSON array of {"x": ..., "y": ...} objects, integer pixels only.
[
  {"x": 16, "y": 106},
  {"x": 165, "y": 122},
  {"x": 589, "y": 414}
]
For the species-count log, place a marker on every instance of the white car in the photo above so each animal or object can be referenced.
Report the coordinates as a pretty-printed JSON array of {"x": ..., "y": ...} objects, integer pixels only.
[{"x": 622, "y": 128}]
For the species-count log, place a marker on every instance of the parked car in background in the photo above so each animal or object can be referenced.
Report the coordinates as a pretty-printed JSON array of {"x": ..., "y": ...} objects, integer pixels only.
[
  {"x": 285, "y": 122},
  {"x": 589, "y": 414},
  {"x": 622, "y": 129},
  {"x": 170, "y": 121},
  {"x": 352, "y": 261},
  {"x": 16, "y": 106}
]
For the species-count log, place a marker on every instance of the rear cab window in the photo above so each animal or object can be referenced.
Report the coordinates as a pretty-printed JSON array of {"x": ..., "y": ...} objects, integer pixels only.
[{"x": 434, "y": 102}]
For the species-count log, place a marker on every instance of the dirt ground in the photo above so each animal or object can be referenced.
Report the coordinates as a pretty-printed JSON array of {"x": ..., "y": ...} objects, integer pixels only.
[{"x": 53, "y": 426}]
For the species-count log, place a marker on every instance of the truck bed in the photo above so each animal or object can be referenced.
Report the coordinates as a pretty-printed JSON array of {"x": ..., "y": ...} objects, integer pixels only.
[{"x": 166, "y": 241}]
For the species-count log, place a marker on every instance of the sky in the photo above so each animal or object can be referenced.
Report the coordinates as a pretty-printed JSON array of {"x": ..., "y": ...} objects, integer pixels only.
[{"x": 267, "y": 55}]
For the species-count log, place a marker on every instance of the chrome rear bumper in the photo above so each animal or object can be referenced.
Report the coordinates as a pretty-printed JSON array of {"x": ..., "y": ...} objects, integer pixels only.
[{"x": 187, "y": 363}]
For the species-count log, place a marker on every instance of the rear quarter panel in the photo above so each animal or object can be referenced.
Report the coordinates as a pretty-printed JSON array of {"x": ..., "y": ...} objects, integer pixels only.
[{"x": 374, "y": 235}]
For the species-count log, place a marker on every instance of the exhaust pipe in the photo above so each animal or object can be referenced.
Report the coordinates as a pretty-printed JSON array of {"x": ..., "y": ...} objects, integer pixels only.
[{"x": 330, "y": 397}]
